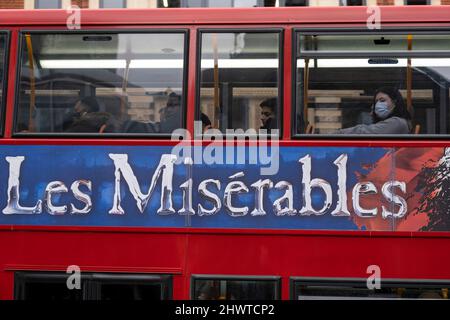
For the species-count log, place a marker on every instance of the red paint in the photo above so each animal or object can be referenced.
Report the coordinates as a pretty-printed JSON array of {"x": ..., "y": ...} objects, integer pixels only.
[
  {"x": 9, "y": 116},
  {"x": 184, "y": 252},
  {"x": 317, "y": 15}
]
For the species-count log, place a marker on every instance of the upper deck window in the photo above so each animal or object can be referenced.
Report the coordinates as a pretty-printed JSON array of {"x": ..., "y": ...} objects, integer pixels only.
[
  {"x": 87, "y": 83},
  {"x": 47, "y": 4},
  {"x": 239, "y": 80},
  {"x": 314, "y": 45},
  {"x": 210, "y": 3},
  {"x": 372, "y": 84},
  {"x": 352, "y": 2},
  {"x": 3, "y": 55},
  {"x": 417, "y": 2},
  {"x": 113, "y": 4}
]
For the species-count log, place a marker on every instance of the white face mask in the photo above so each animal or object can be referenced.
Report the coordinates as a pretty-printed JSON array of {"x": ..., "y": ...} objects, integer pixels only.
[{"x": 382, "y": 110}]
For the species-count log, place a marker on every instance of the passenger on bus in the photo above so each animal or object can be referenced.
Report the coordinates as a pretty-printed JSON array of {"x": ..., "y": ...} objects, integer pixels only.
[
  {"x": 171, "y": 114},
  {"x": 389, "y": 115},
  {"x": 207, "y": 292},
  {"x": 206, "y": 123},
  {"x": 94, "y": 122},
  {"x": 268, "y": 118},
  {"x": 82, "y": 107}
]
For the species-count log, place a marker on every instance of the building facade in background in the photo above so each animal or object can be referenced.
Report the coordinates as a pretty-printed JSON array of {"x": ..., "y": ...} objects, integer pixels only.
[{"x": 96, "y": 4}]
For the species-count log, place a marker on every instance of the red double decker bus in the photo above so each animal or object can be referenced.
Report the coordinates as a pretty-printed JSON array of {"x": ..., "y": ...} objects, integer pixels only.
[{"x": 313, "y": 161}]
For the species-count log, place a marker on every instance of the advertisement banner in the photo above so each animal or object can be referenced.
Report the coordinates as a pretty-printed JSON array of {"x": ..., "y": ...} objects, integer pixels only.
[{"x": 309, "y": 188}]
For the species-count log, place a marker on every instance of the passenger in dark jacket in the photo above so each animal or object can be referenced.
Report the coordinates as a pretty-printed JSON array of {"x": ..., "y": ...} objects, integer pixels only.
[{"x": 171, "y": 114}]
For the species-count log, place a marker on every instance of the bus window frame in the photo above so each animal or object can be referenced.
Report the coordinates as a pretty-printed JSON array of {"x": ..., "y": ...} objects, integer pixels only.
[
  {"x": 297, "y": 32},
  {"x": 4, "y": 86},
  {"x": 362, "y": 282},
  {"x": 64, "y": 135},
  {"x": 92, "y": 281},
  {"x": 97, "y": 279},
  {"x": 219, "y": 277},
  {"x": 281, "y": 33}
]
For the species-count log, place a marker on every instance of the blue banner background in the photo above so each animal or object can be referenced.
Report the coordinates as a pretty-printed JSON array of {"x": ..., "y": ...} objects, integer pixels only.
[{"x": 44, "y": 164}]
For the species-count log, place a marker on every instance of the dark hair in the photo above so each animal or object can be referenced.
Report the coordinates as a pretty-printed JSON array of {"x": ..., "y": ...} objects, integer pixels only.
[
  {"x": 91, "y": 104},
  {"x": 205, "y": 120},
  {"x": 270, "y": 103},
  {"x": 400, "y": 109}
]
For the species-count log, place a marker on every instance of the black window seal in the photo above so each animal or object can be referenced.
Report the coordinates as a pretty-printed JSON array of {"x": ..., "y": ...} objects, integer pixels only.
[
  {"x": 402, "y": 30},
  {"x": 280, "y": 72},
  {"x": 362, "y": 283},
  {"x": 4, "y": 85},
  {"x": 103, "y": 136},
  {"x": 219, "y": 277}
]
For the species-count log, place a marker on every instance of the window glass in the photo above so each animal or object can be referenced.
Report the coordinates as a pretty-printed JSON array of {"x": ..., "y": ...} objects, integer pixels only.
[
  {"x": 101, "y": 83},
  {"x": 317, "y": 44},
  {"x": 54, "y": 291},
  {"x": 48, "y": 4},
  {"x": 209, "y": 3},
  {"x": 373, "y": 90},
  {"x": 112, "y": 3},
  {"x": 234, "y": 289},
  {"x": 239, "y": 80},
  {"x": 352, "y": 2},
  {"x": 130, "y": 291},
  {"x": 293, "y": 3},
  {"x": 417, "y": 2},
  {"x": 93, "y": 286},
  {"x": 39, "y": 286},
  {"x": 335, "y": 290}
]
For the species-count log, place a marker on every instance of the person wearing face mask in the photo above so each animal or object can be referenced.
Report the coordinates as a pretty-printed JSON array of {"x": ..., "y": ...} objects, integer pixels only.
[{"x": 389, "y": 115}]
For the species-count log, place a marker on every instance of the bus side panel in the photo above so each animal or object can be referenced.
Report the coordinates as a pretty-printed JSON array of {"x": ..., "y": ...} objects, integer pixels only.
[
  {"x": 120, "y": 252},
  {"x": 319, "y": 256}
]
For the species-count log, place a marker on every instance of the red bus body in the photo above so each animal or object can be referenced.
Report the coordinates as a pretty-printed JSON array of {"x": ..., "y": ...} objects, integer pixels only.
[{"x": 183, "y": 252}]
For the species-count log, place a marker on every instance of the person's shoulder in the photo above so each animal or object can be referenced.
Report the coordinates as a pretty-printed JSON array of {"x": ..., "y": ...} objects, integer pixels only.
[
  {"x": 398, "y": 120},
  {"x": 402, "y": 124}
]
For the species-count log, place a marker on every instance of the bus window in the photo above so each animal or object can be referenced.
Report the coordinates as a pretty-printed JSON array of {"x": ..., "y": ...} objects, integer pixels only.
[
  {"x": 239, "y": 80},
  {"x": 92, "y": 286},
  {"x": 137, "y": 287},
  {"x": 44, "y": 286},
  {"x": 220, "y": 288},
  {"x": 3, "y": 54},
  {"x": 337, "y": 289},
  {"x": 77, "y": 83},
  {"x": 373, "y": 84}
]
